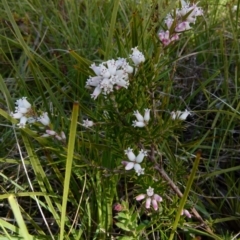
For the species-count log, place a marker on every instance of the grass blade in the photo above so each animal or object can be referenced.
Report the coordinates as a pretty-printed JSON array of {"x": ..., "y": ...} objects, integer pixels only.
[{"x": 71, "y": 146}]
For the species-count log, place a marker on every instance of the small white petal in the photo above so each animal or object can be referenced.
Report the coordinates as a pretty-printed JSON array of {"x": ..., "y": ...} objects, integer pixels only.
[
  {"x": 128, "y": 69},
  {"x": 175, "y": 115},
  {"x": 95, "y": 68},
  {"x": 138, "y": 124},
  {"x": 63, "y": 136},
  {"x": 184, "y": 115},
  {"x": 122, "y": 83},
  {"x": 131, "y": 156},
  {"x": 16, "y": 115},
  {"x": 22, "y": 122},
  {"x": 137, "y": 167},
  {"x": 138, "y": 116},
  {"x": 58, "y": 137},
  {"x": 93, "y": 81},
  {"x": 88, "y": 123},
  {"x": 137, "y": 56},
  {"x": 25, "y": 103},
  {"x": 104, "y": 71},
  {"x": 147, "y": 115},
  {"x": 112, "y": 67},
  {"x": 22, "y": 110},
  {"x": 44, "y": 119},
  {"x": 141, "y": 155},
  {"x": 96, "y": 92},
  {"x": 51, "y": 132},
  {"x": 140, "y": 171},
  {"x": 45, "y": 135},
  {"x": 150, "y": 191},
  {"x": 129, "y": 165}
]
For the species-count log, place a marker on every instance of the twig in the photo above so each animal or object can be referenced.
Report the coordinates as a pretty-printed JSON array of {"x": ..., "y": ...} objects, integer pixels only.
[{"x": 175, "y": 188}]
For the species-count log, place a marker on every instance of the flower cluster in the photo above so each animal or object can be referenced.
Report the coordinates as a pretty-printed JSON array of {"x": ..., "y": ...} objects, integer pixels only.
[
  {"x": 51, "y": 133},
  {"x": 179, "y": 21},
  {"x": 151, "y": 198},
  {"x": 180, "y": 115},
  {"x": 141, "y": 121},
  {"x": 134, "y": 162},
  {"x": 113, "y": 74},
  {"x": 23, "y": 112}
]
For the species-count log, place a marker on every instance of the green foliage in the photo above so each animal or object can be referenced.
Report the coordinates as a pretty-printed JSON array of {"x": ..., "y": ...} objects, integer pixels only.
[{"x": 68, "y": 189}]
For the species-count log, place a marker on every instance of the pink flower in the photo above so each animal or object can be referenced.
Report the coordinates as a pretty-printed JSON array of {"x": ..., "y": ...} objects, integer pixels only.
[
  {"x": 151, "y": 199},
  {"x": 166, "y": 39},
  {"x": 186, "y": 213},
  {"x": 183, "y": 26}
]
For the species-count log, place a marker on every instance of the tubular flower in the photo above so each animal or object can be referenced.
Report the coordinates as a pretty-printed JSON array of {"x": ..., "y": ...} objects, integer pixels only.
[
  {"x": 44, "y": 119},
  {"x": 23, "y": 112},
  {"x": 134, "y": 162},
  {"x": 151, "y": 199},
  {"x": 87, "y": 123},
  {"x": 52, "y": 133},
  {"x": 141, "y": 121},
  {"x": 180, "y": 115},
  {"x": 137, "y": 56},
  {"x": 186, "y": 213},
  {"x": 166, "y": 39}
]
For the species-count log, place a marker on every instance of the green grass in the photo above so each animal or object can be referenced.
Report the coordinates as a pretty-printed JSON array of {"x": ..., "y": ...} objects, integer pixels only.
[{"x": 77, "y": 188}]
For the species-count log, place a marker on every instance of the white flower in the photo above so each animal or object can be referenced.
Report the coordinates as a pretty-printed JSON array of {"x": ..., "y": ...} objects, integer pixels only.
[
  {"x": 22, "y": 109},
  {"x": 110, "y": 75},
  {"x": 44, "y": 119},
  {"x": 23, "y": 103},
  {"x": 151, "y": 198},
  {"x": 87, "y": 123},
  {"x": 180, "y": 115},
  {"x": 146, "y": 115},
  {"x": 63, "y": 136},
  {"x": 142, "y": 121},
  {"x": 16, "y": 115},
  {"x": 134, "y": 162},
  {"x": 23, "y": 121},
  {"x": 49, "y": 133},
  {"x": 137, "y": 56},
  {"x": 140, "y": 171},
  {"x": 169, "y": 21},
  {"x": 141, "y": 155},
  {"x": 96, "y": 92},
  {"x": 131, "y": 156}
]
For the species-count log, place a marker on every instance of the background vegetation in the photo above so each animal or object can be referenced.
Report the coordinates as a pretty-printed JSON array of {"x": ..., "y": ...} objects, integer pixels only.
[{"x": 79, "y": 189}]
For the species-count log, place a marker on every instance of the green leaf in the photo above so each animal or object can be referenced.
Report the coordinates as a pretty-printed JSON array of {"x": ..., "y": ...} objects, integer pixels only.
[{"x": 123, "y": 226}]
